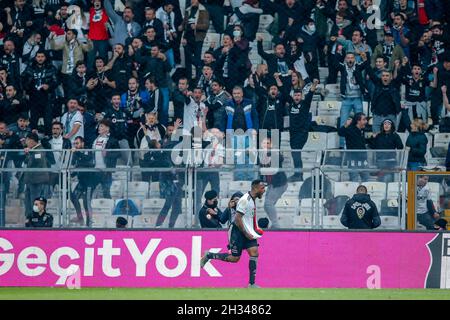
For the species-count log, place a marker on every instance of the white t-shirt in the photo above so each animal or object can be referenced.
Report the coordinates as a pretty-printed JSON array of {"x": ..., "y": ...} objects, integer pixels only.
[
  {"x": 100, "y": 144},
  {"x": 247, "y": 206},
  {"x": 423, "y": 195},
  {"x": 56, "y": 144},
  {"x": 69, "y": 120}
]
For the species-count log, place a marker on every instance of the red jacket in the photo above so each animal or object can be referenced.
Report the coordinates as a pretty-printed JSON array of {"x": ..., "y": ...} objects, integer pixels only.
[{"x": 97, "y": 28}]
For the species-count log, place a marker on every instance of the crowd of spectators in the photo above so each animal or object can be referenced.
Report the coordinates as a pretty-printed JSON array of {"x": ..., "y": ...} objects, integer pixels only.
[{"x": 127, "y": 74}]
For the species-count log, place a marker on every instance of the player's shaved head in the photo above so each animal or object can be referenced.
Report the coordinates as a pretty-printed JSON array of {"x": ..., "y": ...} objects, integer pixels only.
[{"x": 258, "y": 188}]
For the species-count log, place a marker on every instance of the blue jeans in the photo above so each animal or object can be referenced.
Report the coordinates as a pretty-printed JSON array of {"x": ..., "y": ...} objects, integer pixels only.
[
  {"x": 415, "y": 166},
  {"x": 164, "y": 117},
  {"x": 100, "y": 46},
  {"x": 170, "y": 58},
  {"x": 349, "y": 104}
]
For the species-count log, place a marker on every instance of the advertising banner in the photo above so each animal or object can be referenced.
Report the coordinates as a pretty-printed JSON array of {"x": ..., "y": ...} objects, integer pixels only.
[{"x": 287, "y": 259}]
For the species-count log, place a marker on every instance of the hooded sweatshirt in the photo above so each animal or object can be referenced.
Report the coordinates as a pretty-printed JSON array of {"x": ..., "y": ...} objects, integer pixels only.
[{"x": 360, "y": 212}]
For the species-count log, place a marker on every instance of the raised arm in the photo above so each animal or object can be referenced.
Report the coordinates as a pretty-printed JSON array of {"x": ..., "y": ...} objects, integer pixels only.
[{"x": 110, "y": 11}]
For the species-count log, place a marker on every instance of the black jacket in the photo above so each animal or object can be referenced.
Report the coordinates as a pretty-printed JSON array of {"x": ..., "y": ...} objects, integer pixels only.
[
  {"x": 270, "y": 110},
  {"x": 155, "y": 67},
  {"x": 385, "y": 99},
  {"x": 118, "y": 120},
  {"x": 360, "y": 213},
  {"x": 417, "y": 142},
  {"x": 272, "y": 59},
  {"x": 35, "y": 76},
  {"x": 9, "y": 112},
  {"x": 354, "y": 137},
  {"x": 214, "y": 222},
  {"x": 39, "y": 221},
  {"x": 83, "y": 160},
  {"x": 386, "y": 141},
  {"x": 300, "y": 115},
  {"x": 178, "y": 99},
  {"x": 359, "y": 67}
]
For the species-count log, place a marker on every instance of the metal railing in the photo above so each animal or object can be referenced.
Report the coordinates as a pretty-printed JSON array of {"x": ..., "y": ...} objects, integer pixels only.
[{"x": 301, "y": 205}]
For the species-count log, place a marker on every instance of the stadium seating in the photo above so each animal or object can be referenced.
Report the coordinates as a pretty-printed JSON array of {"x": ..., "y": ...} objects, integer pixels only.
[
  {"x": 345, "y": 188},
  {"x": 332, "y": 222}
]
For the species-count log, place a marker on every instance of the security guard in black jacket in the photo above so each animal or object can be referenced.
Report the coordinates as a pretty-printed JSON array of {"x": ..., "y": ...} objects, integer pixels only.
[
  {"x": 360, "y": 212},
  {"x": 39, "y": 218}
]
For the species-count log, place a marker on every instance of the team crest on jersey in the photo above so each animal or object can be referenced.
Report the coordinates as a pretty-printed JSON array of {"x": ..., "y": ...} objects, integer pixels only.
[{"x": 360, "y": 212}]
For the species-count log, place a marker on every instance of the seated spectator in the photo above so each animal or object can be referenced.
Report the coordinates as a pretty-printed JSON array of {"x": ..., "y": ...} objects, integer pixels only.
[
  {"x": 121, "y": 223},
  {"x": 39, "y": 218}
]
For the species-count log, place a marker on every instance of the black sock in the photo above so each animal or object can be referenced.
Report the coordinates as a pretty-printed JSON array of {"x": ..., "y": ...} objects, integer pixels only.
[
  {"x": 252, "y": 268},
  {"x": 218, "y": 256}
]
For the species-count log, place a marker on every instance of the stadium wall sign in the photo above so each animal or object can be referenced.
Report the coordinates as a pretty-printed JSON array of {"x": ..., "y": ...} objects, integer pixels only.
[{"x": 301, "y": 259}]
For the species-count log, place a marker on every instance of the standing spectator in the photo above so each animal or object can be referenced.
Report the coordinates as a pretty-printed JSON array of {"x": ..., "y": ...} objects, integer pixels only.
[
  {"x": 216, "y": 103},
  {"x": 73, "y": 52},
  {"x": 426, "y": 211},
  {"x": 415, "y": 106},
  {"x": 89, "y": 125},
  {"x": 122, "y": 67},
  {"x": 195, "y": 26},
  {"x": 86, "y": 182},
  {"x": 10, "y": 60},
  {"x": 352, "y": 88},
  {"x": 158, "y": 67},
  {"x": 353, "y": 133},
  {"x": 72, "y": 121},
  {"x": 155, "y": 97},
  {"x": 20, "y": 19},
  {"x": 124, "y": 27},
  {"x": 134, "y": 102},
  {"x": 195, "y": 111},
  {"x": 11, "y": 105},
  {"x": 119, "y": 118},
  {"x": 179, "y": 98},
  {"x": 153, "y": 22},
  {"x": 389, "y": 50},
  {"x": 270, "y": 166},
  {"x": 39, "y": 80},
  {"x": 299, "y": 124},
  {"x": 78, "y": 82},
  {"x": 360, "y": 212},
  {"x": 386, "y": 139},
  {"x": 39, "y": 218},
  {"x": 417, "y": 141},
  {"x": 57, "y": 143},
  {"x": 105, "y": 157},
  {"x": 98, "y": 33},
  {"x": 217, "y": 14},
  {"x": 100, "y": 86},
  {"x": 385, "y": 99},
  {"x": 167, "y": 16},
  {"x": 170, "y": 182},
  {"x": 401, "y": 33},
  {"x": 241, "y": 113},
  {"x": 37, "y": 182},
  {"x": 271, "y": 106},
  {"x": 30, "y": 48},
  {"x": 355, "y": 46},
  {"x": 231, "y": 63},
  {"x": 247, "y": 15}
]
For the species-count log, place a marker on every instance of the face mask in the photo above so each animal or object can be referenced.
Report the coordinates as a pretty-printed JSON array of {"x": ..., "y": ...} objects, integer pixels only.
[
  {"x": 312, "y": 28},
  {"x": 340, "y": 25},
  {"x": 35, "y": 208},
  {"x": 215, "y": 203},
  {"x": 236, "y": 33}
]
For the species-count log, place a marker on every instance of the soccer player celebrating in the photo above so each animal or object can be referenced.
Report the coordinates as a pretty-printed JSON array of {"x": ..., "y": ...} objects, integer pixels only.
[{"x": 244, "y": 232}]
